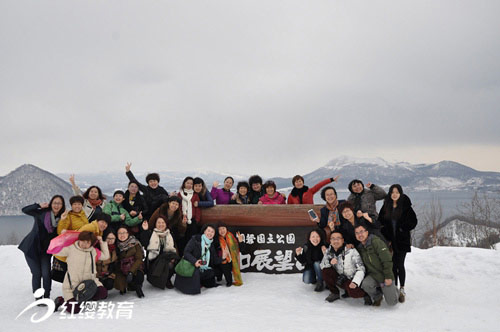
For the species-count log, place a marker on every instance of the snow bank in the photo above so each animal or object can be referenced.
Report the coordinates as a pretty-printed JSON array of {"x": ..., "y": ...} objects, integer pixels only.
[{"x": 448, "y": 289}]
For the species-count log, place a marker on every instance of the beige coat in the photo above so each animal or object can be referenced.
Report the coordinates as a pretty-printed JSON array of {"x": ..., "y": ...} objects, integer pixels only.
[{"x": 80, "y": 266}]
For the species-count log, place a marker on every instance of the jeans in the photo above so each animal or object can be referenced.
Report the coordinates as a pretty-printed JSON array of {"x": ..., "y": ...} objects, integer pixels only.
[
  {"x": 311, "y": 275},
  {"x": 40, "y": 269}
]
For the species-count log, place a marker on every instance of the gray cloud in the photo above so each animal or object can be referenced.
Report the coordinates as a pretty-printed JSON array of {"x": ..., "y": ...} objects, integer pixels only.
[{"x": 271, "y": 86}]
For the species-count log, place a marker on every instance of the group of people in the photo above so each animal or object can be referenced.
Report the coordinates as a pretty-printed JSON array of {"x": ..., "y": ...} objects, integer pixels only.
[
  {"x": 357, "y": 249},
  {"x": 146, "y": 233}
]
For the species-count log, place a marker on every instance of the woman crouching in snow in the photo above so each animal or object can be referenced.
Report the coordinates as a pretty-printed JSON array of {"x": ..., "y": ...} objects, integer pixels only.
[
  {"x": 81, "y": 260},
  {"x": 161, "y": 253}
]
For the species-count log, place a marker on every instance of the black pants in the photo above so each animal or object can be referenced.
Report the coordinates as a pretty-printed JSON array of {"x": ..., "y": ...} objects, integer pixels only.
[
  {"x": 398, "y": 267},
  {"x": 207, "y": 278},
  {"x": 226, "y": 270}
]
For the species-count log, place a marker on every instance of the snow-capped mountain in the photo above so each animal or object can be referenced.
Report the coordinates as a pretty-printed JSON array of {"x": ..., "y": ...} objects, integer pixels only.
[
  {"x": 445, "y": 175},
  {"x": 29, "y": 184}
]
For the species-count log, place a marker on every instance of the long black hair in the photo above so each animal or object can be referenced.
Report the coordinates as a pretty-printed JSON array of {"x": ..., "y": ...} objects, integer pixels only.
[
  {"x": 63, "y": 204},
  {"x": 86, "y": 193}
]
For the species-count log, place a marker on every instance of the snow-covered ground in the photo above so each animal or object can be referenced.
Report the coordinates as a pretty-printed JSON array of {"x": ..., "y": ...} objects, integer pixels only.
[{"x": 448, "y": 289}]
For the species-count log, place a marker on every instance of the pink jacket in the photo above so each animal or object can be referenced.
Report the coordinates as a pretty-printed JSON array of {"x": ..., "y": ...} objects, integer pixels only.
[{"x": 276, "y": 199}]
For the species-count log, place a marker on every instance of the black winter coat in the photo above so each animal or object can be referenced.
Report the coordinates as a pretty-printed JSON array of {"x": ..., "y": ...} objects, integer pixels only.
[
  {"x": 37, "y": 241},
  {"x": 139, "y": 204},
  {"x": 192, "y": 253},
  {"x": 406, "y": 220},
  {"x": 311, "y": 254},
  {"x": 153, "y": 197}
]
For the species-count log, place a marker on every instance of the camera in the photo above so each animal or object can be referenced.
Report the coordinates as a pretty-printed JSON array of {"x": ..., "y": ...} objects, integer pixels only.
[{"x": 341, "y": 279}]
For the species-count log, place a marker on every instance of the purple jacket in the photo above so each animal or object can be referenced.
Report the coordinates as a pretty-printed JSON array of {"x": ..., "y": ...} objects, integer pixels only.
[{"x": 221, "y": 196}]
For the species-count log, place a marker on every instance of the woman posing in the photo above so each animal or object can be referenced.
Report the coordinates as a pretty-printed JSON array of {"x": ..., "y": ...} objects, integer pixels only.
[
  {"x": 241, "y": 196},
  {"x": 310, "y": 255},
  {"x": 36, "y": 243},
  {"x": 330, "y": 217},
  {"x": 302, "y": 194},
  {"x": 81, "y": 258},
  {"x": 176, "y": 222},
  {"x": 106, "y": 268},
  {"x": 230, "y": 266},
  {"x": 200, "y": 251},
  {"x": 349, "y": 221},
  {"x": 398, "y": 219},
  {"x": 130, "y": 254},
  {"x": 161, "y": 255},
  {"x": 134, "y": 203},
  {"x": 222, "y": 196},
  {"x": 256, "y": 189},
  {"x": 271, "y": 196},
  {"x": 93, "y": 201}
]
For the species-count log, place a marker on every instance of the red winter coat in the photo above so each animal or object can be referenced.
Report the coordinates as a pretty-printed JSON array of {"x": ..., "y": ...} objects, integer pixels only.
[{"x": 307, "y": 197}]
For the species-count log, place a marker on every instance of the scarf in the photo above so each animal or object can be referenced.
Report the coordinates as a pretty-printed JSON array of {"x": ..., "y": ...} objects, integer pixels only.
[
  {"x": 229, "y": 241},
  {"x": 205, "y": 252},
  {"x": 187, "y": 206},
  {"x": 158, "y": 240},
  {"x": 299, "y": 192},
  {"x": 50, "y": 222},
  {"x": 333, "y": 215},
  {"x": 127, "y": 244},
  {"x": 94, "y": 202}
]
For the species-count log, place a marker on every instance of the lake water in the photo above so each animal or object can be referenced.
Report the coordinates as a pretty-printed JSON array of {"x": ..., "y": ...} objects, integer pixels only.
[{"x": 14, "y": 228}]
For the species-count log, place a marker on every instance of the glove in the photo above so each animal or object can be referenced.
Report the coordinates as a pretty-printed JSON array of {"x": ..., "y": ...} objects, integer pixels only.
[{"x": 130, "y": 276}]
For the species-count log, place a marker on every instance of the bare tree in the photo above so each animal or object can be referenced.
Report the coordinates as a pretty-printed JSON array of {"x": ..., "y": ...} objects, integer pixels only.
[
  {"x": 432, "y": 216},
  {"x": 483, "y": 213}
]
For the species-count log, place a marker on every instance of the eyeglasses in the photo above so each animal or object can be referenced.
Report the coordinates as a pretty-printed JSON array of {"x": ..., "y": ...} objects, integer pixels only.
[
  {"x": 122, "y": 233},
  {"x": 336, "y": 238},
  {"x": 360, "y": 232}
]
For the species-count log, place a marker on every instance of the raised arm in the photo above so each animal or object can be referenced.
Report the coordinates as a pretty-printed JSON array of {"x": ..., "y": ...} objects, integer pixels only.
[
  {"x": 378, "y": 192},
  {"x": 323, "y": 183},
  {"x": 32, "y": 210},
  {"x": 131, "y": 177}
]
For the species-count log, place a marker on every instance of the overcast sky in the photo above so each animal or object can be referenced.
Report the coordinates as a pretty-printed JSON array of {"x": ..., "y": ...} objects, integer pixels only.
[{"x": 274, "y": 87}]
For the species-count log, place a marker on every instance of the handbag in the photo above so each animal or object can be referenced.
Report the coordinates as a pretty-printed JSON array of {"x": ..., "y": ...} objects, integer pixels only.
[
  {"x": 86, "y": 289},
  {"x": 185, "y": 268}
]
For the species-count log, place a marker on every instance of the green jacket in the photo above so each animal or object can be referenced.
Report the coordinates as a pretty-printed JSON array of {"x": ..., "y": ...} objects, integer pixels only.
[
  {"x": 377, "y": 258},
  {"x": 116, "y": 210}
]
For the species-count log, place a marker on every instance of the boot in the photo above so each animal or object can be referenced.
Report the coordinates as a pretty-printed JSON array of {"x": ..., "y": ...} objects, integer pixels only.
[
  {"x": 402, "y": 295},
  {"x": 138, "y": 290},
  {"x": 345, "y": 295},
  {"x": 169, "y": 284},
  {"x": 368, "y": 300},
  {"x": 332, "y": 297},
  {"x": 58, "y": 302},
  {"x": 377, "y": 301},
  {"x": 320, "y": 285}
]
